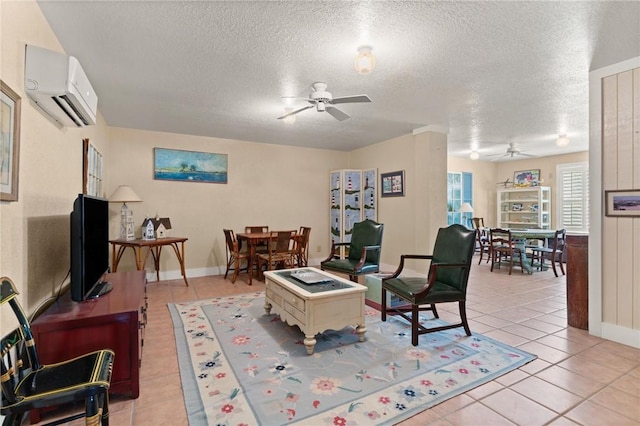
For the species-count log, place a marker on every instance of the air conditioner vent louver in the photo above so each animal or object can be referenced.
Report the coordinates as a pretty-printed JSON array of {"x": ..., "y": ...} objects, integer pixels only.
[{"x": 71, "y": 111}]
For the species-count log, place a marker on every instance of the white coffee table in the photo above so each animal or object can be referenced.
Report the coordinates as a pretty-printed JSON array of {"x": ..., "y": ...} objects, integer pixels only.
[{"x": 326, "y": 305}]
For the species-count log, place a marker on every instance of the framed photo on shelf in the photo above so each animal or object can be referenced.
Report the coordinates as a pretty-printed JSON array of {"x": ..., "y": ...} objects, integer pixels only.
[
  {"x": 392, "y": 184},
  {"x": 526, "y": 178},
  {"x": 9, "y": 142},
  {"x": 622, "y": 203}
]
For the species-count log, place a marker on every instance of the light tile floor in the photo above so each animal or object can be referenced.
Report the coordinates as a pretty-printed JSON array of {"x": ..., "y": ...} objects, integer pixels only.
[{"x": 578, "y": 379}]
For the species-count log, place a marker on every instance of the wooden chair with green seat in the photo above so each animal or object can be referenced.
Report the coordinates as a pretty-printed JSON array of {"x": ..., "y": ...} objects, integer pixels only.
[
  {"x": 29, "y": 385},
  {"x": 552, "y": 250},
  {"x": 446, "y": 281},
  {"x": 363, "y": 251}
]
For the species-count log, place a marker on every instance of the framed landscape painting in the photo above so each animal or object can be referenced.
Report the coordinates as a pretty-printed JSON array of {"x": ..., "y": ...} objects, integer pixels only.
[
  {"x": 9, "y": 142},
  {"x": 622, "y": 203},
  {"x": 189, "y": 166}
]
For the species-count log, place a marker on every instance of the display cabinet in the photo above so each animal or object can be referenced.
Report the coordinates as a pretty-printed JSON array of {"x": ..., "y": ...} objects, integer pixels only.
[{"x": 524, "y": 208}]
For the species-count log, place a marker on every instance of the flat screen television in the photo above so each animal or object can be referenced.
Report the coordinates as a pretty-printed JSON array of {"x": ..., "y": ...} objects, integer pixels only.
[{"x": 89, "y": 248}]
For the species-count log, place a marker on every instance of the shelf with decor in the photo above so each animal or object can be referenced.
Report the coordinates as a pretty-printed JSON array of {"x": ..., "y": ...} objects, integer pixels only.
[{"x": 524, "y": 208}]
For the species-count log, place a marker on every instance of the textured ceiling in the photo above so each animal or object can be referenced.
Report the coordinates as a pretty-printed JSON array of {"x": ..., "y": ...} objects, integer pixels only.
[{"x": 487, "y": 73}]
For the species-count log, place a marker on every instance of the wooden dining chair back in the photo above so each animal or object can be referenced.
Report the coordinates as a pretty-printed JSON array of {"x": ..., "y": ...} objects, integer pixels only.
[
  {"x": 504, "y": 249},
  {"x": 478, "y": 222},
  {"x": 445, "y": 282},
  {"x": 255, "y": 229},
  {"x": 552, "y": 250},
  {"x": 29, "y": 385},
  {"x": 281, "y": 252},
  {"x": 236, "y": 257},
  {"x": 302, "y": 246},
  {"x": 482, "y": 244},
  {"x": 262, "y": 246}
]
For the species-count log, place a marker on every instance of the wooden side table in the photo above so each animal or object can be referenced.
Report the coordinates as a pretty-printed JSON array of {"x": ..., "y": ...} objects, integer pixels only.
[{"x": 152, "y": 246}]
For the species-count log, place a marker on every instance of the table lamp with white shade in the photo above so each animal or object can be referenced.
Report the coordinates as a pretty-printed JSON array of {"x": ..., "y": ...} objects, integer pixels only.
[
  {"x": 124, "y": 194},
  {"x": 465, "y": 208}
]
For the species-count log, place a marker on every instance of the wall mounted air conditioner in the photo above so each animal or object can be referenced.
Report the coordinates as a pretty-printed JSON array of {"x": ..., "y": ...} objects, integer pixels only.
[{"x": 58, "y": 85}]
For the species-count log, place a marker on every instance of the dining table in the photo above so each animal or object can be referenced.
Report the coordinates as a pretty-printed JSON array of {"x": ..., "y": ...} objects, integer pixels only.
[
  {"x": 520, "y": 237},
  {"x": 253, "y": 239}
]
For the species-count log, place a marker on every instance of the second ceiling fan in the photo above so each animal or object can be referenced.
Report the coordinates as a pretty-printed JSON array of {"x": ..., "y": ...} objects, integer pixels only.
[
  {"x": 512, "y": 151},
  {"x": 324, "y": 101}
]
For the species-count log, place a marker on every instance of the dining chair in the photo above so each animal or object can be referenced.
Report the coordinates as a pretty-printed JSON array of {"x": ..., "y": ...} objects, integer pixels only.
[
  {"x": 483, "y": 245},
  {"x": 478, "y": 222},
  {"x": 552, "y": 250},
  {"x": 234, "y": 255},
  {"x": 302, "y": 246},
  {"x": 281, "y": 252},
  {"x": 503, "y": 248},
  {"x": 364, "y": 251},
  {"x": 260, "y": 247},
  {"x": 482, "y": 239},
  {"x": 29, "y": 385},
  {"x": 445, "y": 282}
]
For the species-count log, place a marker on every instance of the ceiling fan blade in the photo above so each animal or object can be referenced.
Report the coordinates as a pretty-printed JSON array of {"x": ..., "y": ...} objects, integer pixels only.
[
  {"x": 295, "y": 112},
  {"x": 336, "y": 113},
  {"x": 526, "y": 155},
  {"x": 351, "y": 99}
]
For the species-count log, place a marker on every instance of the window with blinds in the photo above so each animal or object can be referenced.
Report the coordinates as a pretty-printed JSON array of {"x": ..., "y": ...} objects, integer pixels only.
[{"x": 572, "y": 196}]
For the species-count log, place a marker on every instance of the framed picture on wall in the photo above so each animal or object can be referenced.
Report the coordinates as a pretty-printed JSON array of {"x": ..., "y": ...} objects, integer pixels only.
[
  {"x": 622, "y": 203},
  {"x": 392, "y": 184},
  {"x": 189, "y": 166},
  {"x": 526, "y": 178},
  {"x": 9, "y": 142}
]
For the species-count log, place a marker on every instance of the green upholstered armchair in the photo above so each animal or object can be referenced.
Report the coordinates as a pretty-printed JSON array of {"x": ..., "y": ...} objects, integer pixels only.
[
  {"x": 364, "y": 251},
  {"x": 445, "y": 282}
]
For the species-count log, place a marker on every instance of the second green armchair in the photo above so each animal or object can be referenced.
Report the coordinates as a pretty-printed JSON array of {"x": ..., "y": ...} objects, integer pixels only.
[{"x": 363, "y": 251}]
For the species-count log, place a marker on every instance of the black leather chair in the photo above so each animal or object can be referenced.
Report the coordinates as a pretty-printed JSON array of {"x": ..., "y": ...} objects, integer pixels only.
[
  {"x": 446, "y": 281},
  {"x": 363, "y": 255},
  {"x": 28, "y": 385}
]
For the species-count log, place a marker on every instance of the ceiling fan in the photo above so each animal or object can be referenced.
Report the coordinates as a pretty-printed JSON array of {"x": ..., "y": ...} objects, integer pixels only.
[
  {"x": 512, "y": 151},
  {"x": 324, "y": 101}
]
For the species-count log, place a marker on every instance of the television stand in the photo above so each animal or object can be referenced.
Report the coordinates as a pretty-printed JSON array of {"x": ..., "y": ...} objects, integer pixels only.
[
  {"x": 100, "y": 289},
  {"x": 117, "y": 320}
]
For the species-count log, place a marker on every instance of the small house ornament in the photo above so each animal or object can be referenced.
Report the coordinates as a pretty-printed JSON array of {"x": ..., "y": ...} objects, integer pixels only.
[
  {"x": 148, "y": 231},
  {"x": 157, "y": 227}
]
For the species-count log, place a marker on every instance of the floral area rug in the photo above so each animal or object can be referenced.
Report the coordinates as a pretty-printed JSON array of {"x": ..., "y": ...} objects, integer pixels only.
[{"x": 240, "y": 366}]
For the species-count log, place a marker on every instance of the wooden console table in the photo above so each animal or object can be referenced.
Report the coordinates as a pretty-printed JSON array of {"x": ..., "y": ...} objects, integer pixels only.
[
  {"x": 152, "y": 246},
  {"x": 115, "y": 320}
]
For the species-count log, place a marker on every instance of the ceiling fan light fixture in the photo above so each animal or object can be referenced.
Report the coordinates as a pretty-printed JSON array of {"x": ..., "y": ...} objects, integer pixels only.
[
  {"x": 474, "y": 155},
  {"x": 563, "y": 141},
  {"x": 289, "y": 119},
  {"x": 365, "y": 61}
]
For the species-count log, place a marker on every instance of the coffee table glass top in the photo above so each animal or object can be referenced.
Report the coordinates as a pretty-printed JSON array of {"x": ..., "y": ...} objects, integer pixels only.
[{"x": 312, "y": 281}]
